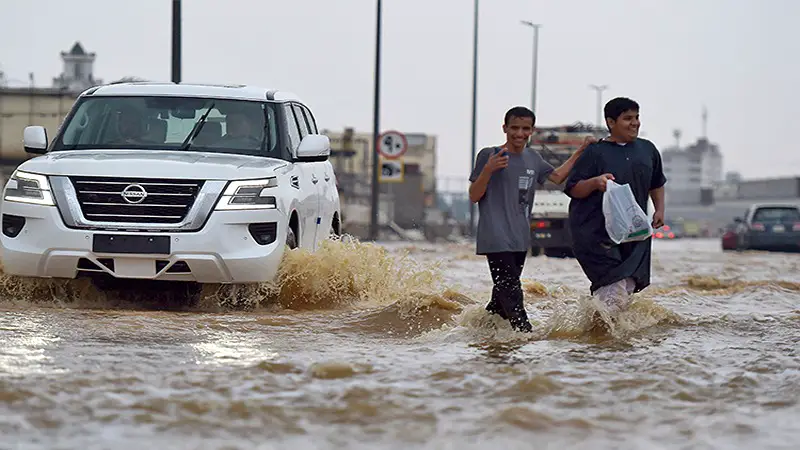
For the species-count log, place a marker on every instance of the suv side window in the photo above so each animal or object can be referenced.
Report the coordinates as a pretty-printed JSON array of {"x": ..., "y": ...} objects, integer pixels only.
[
  {"x": 301, "y": 120},
  {"x": 291, "y": 128},
  {"x": 312, "y": 123}
]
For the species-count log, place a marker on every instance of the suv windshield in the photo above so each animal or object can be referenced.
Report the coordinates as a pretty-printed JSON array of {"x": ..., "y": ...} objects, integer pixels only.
[{"x": 172, "y": 123}]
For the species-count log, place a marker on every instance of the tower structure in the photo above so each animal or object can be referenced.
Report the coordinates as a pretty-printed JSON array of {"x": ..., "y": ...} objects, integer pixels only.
[{"x": 78, "y": 72}]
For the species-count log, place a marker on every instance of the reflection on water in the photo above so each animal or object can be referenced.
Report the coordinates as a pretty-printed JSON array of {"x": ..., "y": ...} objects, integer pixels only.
[
  {"x": 221, "y": 347},
  {"x": 362, "y": 346},
  {"x": 27, "y": 340}
]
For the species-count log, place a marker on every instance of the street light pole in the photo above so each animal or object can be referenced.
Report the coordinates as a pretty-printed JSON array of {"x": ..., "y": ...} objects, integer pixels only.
[
  {"x": 474, "y": 109},
  {"x": 599, "y": 90},
  {"x": 373, "y": 225},
  {"x": 535, "y": 27},
  {"x": 176, "y": 41}
]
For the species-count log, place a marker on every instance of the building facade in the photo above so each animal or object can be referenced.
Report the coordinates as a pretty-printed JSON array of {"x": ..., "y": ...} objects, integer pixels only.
[
  {"x": 407, "y": 203},
  {"x": 692, "y": 172},
  {"x": 78, "y": 72},
  {"x": 46, "y": 106},
  {"x": 351, "y": 152},
  {"x": 22, "y": 107},
  {"x": 732, "y": 197},
  {"x": 694, "y": 167}
]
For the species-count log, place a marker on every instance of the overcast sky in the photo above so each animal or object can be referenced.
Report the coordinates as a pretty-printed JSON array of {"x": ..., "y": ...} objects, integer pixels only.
[{"x": 740, "y": 58}]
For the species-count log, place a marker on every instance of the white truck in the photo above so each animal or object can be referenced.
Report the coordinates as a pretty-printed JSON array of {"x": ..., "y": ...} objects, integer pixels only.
[
  {"x": 549, "y": 230},
  {"x": 172, "y": 182}
]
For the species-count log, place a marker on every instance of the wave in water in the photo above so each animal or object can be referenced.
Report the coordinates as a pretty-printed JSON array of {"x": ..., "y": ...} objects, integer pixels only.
[{"x": 385, "y": 292}]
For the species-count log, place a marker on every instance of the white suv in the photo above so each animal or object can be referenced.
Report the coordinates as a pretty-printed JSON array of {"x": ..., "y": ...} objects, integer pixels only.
[{"x": 174, "y": 182}]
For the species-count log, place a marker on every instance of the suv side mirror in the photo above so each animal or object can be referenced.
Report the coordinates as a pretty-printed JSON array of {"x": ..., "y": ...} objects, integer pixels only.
[
  {"x": 314, "y": 147},
  {"x": 34, "y": 140}
]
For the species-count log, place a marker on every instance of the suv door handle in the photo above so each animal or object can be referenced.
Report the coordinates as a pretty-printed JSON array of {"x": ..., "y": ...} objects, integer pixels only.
[
  {"x": 314, "y": 179},
  {"x": 327, "y": 177}
]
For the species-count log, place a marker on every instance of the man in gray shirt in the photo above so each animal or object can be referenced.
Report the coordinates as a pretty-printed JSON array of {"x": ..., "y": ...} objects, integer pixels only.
[{"x": 503, "y": 184}]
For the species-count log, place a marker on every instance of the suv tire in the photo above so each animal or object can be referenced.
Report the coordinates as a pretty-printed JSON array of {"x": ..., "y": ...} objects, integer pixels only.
[{"x": 291, "y": 239}]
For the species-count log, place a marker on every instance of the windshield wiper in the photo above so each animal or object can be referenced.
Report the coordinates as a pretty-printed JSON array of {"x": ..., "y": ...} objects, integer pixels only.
[{"x": 197, "y": 127}]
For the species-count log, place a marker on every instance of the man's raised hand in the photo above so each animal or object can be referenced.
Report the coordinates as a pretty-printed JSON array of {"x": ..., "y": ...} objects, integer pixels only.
[{"x": 496, "y": 161}]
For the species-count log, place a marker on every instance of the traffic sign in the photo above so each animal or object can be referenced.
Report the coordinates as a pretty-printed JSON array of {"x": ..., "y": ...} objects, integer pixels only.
[
  {"x": 392, "y": 171},
  {"x": 393, "y": 144}
]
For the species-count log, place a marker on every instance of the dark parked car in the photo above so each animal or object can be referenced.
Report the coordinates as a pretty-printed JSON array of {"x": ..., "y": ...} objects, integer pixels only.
[{"x": 768, "y": 227}]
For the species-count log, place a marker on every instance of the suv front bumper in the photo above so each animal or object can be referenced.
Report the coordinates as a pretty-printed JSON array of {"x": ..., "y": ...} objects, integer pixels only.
[{"x": 223, "y": 251}]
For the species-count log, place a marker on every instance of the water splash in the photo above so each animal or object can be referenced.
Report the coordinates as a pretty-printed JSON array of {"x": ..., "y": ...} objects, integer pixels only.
[{"x": 390, "y": 292}]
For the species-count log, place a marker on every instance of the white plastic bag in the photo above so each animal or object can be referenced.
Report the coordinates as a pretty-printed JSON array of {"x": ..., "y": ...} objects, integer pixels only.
[{"x": 625, "y": 219}]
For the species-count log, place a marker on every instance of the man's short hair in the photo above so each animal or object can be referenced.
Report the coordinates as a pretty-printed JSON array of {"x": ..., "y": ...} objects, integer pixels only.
[
  {"x": 520, "y": 112},
  {"x": 617, "y": 106}
]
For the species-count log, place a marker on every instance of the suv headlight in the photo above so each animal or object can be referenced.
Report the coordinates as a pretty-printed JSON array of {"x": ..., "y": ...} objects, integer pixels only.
[
  {"x": 249, "y": 194},
  {"x": 26, "y": 187}
]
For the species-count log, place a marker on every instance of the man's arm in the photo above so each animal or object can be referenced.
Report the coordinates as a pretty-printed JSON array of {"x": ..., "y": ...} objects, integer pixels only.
[
  {"x": 658, "y": 180},
  {"x": 560, "y": 174},
  {"x": 657, "y": 195},
  {"x": 584, "y": 179},
  {"x": 485, "y": 166},
  {"x": 585, "y": 188},
  {"x": 478, "y": 187}
]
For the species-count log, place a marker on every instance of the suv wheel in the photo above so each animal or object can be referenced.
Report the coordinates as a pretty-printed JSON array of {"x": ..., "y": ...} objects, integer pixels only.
[{"x": 291, "y": 239}]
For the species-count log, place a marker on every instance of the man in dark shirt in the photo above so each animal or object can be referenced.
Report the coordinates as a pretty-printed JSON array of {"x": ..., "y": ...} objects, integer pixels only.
[
  {"x": 503, "y": 183},
  {"x": 615, "y": 271}
]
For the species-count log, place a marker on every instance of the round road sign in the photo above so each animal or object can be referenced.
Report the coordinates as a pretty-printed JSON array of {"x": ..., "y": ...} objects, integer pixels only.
[{"x": 393, "y": 144}]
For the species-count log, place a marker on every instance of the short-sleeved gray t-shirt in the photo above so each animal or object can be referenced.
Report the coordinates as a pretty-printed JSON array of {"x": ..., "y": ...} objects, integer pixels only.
[{"x": 504, "y": 211}]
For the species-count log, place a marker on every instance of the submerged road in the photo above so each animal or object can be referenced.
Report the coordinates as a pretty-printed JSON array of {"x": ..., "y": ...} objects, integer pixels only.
[{"x": 365, "y": 346}]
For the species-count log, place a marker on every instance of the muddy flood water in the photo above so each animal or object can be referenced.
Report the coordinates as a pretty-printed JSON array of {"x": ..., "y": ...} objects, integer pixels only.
[{"x": 367, "y": 346}]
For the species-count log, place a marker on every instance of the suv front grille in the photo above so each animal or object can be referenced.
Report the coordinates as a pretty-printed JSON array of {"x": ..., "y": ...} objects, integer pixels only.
[{"x": 135, "y": 200}]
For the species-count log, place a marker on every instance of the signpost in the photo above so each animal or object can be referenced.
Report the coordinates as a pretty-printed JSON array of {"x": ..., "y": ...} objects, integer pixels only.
[
  {"x": 375, "y": 185},
  {"x": 393, "y": 145},
  {"x": 392, "y": 171}
]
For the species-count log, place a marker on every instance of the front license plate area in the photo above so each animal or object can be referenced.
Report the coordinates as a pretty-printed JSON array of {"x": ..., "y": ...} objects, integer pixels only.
[{"x": 131, "y": 244}]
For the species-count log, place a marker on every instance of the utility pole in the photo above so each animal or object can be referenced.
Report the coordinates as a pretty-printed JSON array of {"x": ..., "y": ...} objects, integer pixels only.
[
  {"x": 677, "y": 135},
  {"x": 474, "y": 110},
  {"x": 2, "y": 112},
  {"x": 599, "y": 90},
  {"x": 535, "y": 27},
  {"x": 705, "y": 123},
  {"x": 373, "y": 225},
  {"x": 31, "y": 86},
  {"x": 176, "y": 41}
]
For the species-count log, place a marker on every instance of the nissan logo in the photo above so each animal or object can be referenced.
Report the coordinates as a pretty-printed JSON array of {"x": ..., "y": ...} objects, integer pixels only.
[{"x": 134, "y": 193}]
